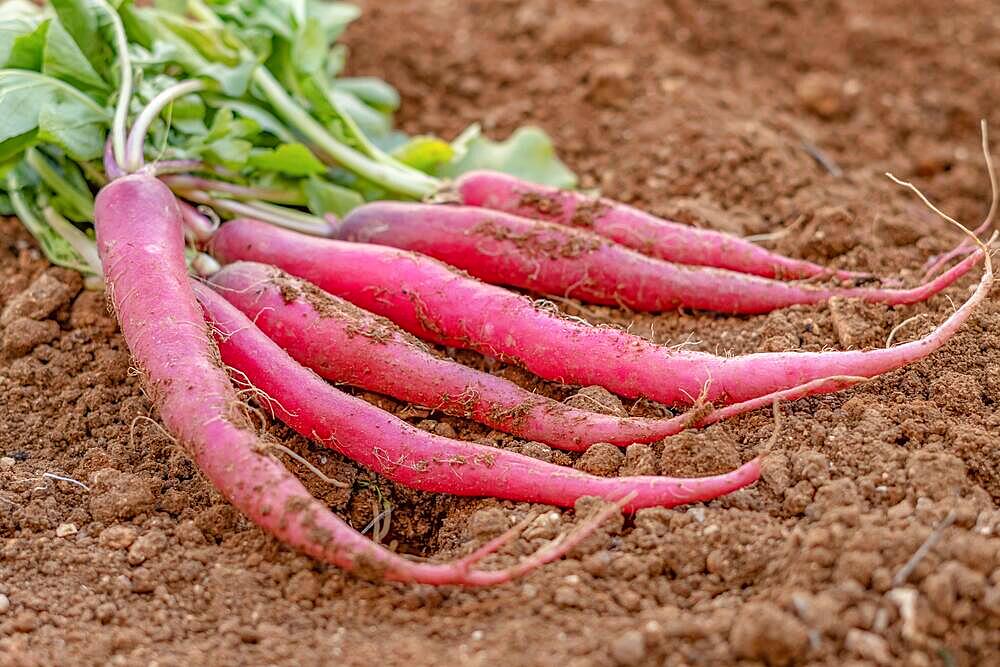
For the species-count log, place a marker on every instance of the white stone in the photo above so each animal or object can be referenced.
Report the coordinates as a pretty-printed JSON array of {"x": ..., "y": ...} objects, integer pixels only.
[{"x": 66, "y": 529}]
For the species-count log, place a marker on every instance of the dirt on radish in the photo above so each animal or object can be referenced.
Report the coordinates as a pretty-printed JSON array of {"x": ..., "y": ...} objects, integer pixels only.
[{"x": 735, "y": 117}]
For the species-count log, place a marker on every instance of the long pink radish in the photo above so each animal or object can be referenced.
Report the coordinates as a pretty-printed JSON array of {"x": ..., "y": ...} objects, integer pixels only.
[
  {"x": 421, "y": 460},
  {"x": 439, "y": 303},
  {"x": 141, "y": 244},
  {"x": 631, "y": 227},
  {"x": 346, "y": 344},
  {"x": 544, "y": 257}
]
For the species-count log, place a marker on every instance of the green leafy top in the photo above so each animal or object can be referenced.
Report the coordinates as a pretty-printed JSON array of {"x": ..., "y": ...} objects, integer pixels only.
[{"x": 272, "y": 121}]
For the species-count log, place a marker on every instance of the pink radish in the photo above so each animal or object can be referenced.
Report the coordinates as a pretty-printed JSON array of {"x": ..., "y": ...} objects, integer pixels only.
[
  {"x": 553, "y": 259},
  {"x": 631, "y": 227},
  {"x": 141, "y": 245},
  {"x": 421, "y": 460},
  {"x": 346, "y": 344},
  {"x": 436, "y": 302}
]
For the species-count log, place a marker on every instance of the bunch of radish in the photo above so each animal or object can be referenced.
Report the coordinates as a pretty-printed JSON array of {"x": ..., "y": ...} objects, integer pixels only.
[{"x": 335, "y": 265}]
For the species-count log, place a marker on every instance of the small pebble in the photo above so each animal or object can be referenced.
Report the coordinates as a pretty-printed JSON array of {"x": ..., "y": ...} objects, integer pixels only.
[
  {"x": 143, "y": 581},
  {"x": 869, "y": 646},
  {"x": 639, "y": 460},
  {"x": 7, "y": 462},
  {"x": 823, "y": 94},
  {"x": 611, "y": 84},
  {"x": 146, "y": 547},
  {"x": 537, "y": 450},
  {"x": 117, "y": 537},
  {"x": 4, "y": 604},
  {"x": 66, "y": 529},
  {"x": 629, "y": 648},
  {"x": 26, "y": 621},
  {"x": 44, "y": 296},
  {"x": 565, "y": 596}
]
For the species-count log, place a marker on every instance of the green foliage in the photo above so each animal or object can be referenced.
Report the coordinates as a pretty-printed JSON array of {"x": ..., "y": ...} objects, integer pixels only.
[
  {"x": 289, "y": 159},
  {"x": 425, "y": 153},
  {"x": 36, "y": 107},
  {"x": 229, "y": 140},
  {"x": 528, "y": 153},
  {"x": 325, "y": 197},
  {"x": 376, "y": 93},
  {"x": 23, "y": 44},
  {"x": 64, "y": 59},
  {"x": 25, "y": 197},
  {"x": 80, "y": 19},
  {"x": 274, "y": 117}
]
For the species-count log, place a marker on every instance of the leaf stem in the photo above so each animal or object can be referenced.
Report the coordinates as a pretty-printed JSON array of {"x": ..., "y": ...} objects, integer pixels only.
[
  {"x": 413, "y": 184},
  {"x": 82, "y": 202},
  {"x": 79, "y": 241},
  {"x": 407, "y": 182},
  {"x": 137, "y": 137},
  {"x": 276, "y": 215},
  {"x": 120, "y": 125},
  {"x": 177, "y": 166},
  {"x": 277, "y": 195},
  {"x": 369, "y": 148},
  {"x": 93, "y": 173}
]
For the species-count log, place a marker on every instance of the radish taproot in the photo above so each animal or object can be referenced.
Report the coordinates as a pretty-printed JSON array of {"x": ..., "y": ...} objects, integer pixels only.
[
  {"x": 420, "y": 460},
  {"x": 631, "y": 227},
  {"x": 140, "y": 233},
  {"x": 439, "y": 303},
  {"x": 349, "y": 345},
  {"x": 552, "y": 259},
  {"x": 141, "y": 244},
  {"x": 140, "y": 240}
]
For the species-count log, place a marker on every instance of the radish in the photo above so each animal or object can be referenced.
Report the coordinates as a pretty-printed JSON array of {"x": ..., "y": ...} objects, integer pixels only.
[
  {"x": 344, "y": 343},
  {"x": 421, "y": 460},
  {"x": 631, "y": 227},
  {"x": 141, "y": 245},
  {"x": 553, "y": 259},
  {"x": 439, "y": 303}
]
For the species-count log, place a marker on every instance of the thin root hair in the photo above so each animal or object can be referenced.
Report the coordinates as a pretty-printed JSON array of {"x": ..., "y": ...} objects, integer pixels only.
[
  {"x": 241, "y": 379},
  {"x": 927, "y": 202},
  {"x": 313, "y": 469},
  {"x": 896, "y": 329},
  {"x": 776, "y": 432},
  {"x": 61, "y": 478},
  {"x": 156, "y": 424}
]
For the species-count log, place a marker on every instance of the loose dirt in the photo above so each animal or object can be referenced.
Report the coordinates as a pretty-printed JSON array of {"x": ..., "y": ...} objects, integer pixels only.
[{"x": 751, "y": 117}]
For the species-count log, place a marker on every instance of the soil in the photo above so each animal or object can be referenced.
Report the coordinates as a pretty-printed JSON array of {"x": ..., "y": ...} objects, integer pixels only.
[{"x": 751, "y": 117}]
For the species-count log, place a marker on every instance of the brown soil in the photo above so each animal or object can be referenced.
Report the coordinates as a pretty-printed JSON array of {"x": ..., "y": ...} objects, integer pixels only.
[{"x": 744, "y": 116}]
